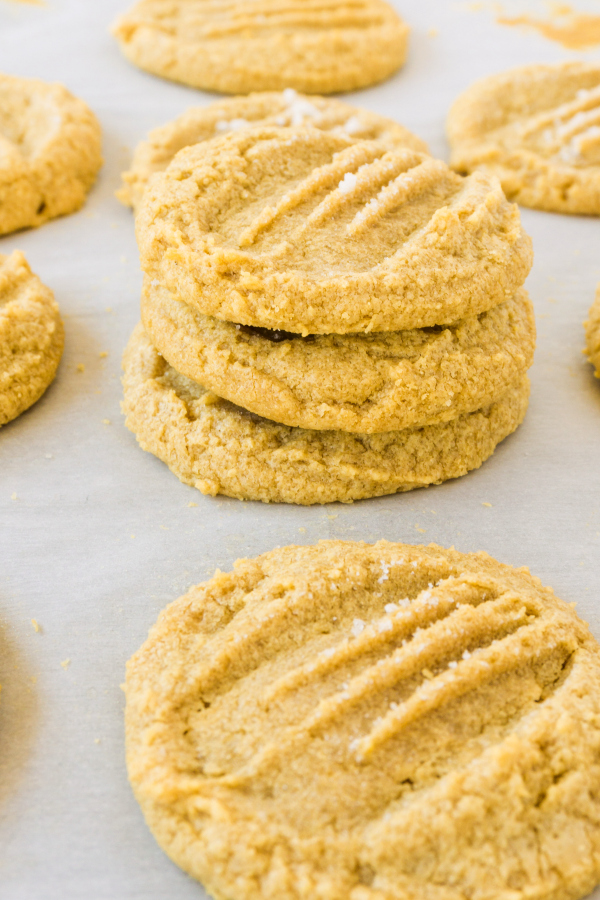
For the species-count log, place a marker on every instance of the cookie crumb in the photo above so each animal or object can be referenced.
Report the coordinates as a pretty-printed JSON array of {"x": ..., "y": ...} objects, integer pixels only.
[
  {"x": 106, "y": 421},
  {"x": 421, "y": 530},
  {"x": 103, "y": 354},
  {"x": 66, "y": 663},
  {"x": 80, "y": 367},
  {"x": 36, "y": 625},
  {"x": 13, "y": 497},
  {"x": 302, "y": 530},
  {"x": 487, "y": 504},
  {"x": 192, "y": 504}
]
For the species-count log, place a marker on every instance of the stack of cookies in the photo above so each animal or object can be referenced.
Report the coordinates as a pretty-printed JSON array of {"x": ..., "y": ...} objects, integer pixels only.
[{"x": 325, "y": 318}]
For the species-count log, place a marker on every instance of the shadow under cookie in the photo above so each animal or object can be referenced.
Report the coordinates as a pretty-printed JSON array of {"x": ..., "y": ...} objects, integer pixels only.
[{"x": 223, "y": 449}]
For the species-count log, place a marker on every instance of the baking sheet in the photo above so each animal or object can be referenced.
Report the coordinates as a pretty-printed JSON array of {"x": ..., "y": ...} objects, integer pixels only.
[{"x": 101, "y": 535}]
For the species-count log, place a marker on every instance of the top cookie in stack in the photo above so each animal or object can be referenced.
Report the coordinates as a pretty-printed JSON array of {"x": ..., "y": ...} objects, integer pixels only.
[{"x": 366, "y": 301}]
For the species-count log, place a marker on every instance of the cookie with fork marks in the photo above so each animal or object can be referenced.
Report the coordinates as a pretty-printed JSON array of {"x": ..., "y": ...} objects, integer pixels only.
[
  {"x": 284, "y": 108},
  {"x": 314, "y": 232},
  {"x": 538, "y": 129},
  {"x": 239, "y": 46},
  {"x": 371, "y": 722}
]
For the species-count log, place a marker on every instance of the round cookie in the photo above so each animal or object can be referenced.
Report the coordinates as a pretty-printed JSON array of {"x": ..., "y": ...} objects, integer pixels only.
[
  {"x": 285, "y": 108},
  {"x": 385, "y": 381},
  {"x": 265, "y": 45},
  {"x": 538, "y": 129},
  {"x": 312, "y": 232},
  {"x": 220, "y": 448},
  {"x": 592, "y": 333},
  {"x": 31, "y": 337},
  {"x": 51, "y": 152},
  {"x": 371, "y": 722}
]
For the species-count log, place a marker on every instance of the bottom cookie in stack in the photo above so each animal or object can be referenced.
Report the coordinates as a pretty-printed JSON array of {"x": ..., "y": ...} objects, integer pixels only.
[{"x": 221, "y": 448}]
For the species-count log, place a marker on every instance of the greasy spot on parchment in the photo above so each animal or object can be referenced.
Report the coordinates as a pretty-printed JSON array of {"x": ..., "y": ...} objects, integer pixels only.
[{"x": 572, "y": 29}]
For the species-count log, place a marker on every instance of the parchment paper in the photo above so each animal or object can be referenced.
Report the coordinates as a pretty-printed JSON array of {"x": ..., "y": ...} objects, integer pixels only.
[{"x": 101, "y": 535}]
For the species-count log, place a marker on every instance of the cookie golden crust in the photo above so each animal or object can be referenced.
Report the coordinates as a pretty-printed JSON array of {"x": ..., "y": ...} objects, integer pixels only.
[
  {"x": 592, "y": 333},
  {"x": 220, "y": 448},
  {"x": 313, "y": 232},
  {"x": 51, "y": 152},
  {"x": 270, "y": 108},
  {"x": 365, "y": 383},
  {"x": 536, "y": 128},
  {"x": 371, "y": 722},
  {"x": 31, "y": 337},
  {"x": 239, "y": 46}
]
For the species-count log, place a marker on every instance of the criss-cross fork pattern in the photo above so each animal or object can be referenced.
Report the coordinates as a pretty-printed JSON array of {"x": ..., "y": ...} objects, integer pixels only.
[
  {"x": 215, "y": 19},
  {"x": 377, "y": 676},
  {"x": 359, "y": 188}
]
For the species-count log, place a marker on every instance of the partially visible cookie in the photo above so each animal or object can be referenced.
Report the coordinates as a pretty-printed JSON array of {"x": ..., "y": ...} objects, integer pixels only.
[
  {"x": 371, "y": 722},
  {"x": 51, "y": 152},
  {"x": 220, "y": 448},
  {"x": 385, "y": 381},
  {"x": 239, "y": 46},
  {"x": 592, "y": 333},
  {"x": 31, "y": 336},
  {"x": 538, "y": 129},
  {"x": 271, "y": 108},
  {"x": 314, "y": 232}
]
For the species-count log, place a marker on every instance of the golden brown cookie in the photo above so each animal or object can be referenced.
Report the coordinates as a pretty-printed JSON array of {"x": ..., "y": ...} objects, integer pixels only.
[
  {"x": 239, "y": 46},
  {"x": 285, "y": 108},
  {"x": 538, "y": 129},
  {"x": 313, "y": 232},
  {"x": 220, "y": 448},
  {"x": 371, "y": 722},
  {"x": 592, "y": 333},
  {"x": 51, "y": 152},
  {"x": 31, "y": 336},
  {"x": 366, "y": 383}
]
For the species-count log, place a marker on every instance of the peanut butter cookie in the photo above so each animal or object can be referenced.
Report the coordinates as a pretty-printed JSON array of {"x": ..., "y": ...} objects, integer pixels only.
[
  {"x": 366, "y": 383},
  {"x": 592, "y": 333},
  {"x": 536, "y": 128},
  {"x": 31, "y": 337},
  {"x": 371, "y": 722},
  {"x": 51, "y": 152},
  {"x": 286, "y": 108},
  {"x": 314, "y": 232},
  {"x": 239, "y": 46},
  {"x": 220, "y": 448}
]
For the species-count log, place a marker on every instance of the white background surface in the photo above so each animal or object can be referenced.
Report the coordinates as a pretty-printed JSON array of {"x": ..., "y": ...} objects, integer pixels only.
[{"x": 101, "y": 535}]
